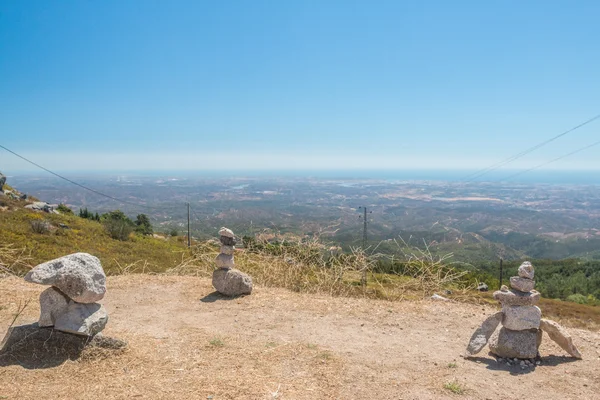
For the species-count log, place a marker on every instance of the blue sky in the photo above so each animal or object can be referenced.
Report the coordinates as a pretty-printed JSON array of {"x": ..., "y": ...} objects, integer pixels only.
[{"x": 89, "y": 85}]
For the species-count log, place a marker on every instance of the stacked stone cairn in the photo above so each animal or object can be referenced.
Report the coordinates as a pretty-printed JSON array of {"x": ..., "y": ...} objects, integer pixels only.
[
  {"x": 520, "y": 336},
  {"x": 227, "y": 280},
  {"x": 70, "y": 303}
]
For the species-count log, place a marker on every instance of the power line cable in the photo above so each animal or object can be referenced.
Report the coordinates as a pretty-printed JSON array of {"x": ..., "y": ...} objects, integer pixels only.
[
  {"x": 551, "y": 161},
  {"x": 480, "y": 173},
  {"x": 80, "y": 185}
]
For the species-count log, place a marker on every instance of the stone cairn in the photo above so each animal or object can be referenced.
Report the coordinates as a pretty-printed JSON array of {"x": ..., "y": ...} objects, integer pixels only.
[
  {"x": 227, "y": 280},
  {"x": 69, "y": 305},
  {"x": 521, "y": 334}
]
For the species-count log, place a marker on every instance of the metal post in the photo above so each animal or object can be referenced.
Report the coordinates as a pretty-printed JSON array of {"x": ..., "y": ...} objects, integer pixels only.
[
  {"x": 189, "y": 235},
  {"x": 500, "y": 284},
  {"x": 363, "y": 279},
  {"x": 365, "y": 229}
]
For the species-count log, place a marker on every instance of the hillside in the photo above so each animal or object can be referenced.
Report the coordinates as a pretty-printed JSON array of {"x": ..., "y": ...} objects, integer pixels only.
[
  {"x": 308, "y": 331},
  {"x": 186, "y": 342},
  {"x": 141, "y": 253},
  {"x": 477, "y": 222},
  {"x": 305, "y": 266}
]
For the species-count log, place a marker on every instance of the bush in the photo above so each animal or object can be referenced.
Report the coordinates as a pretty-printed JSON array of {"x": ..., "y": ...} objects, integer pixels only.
[
  {"x": 143, "y": 225},
  {"x": 64, "y": 209},
  {"x": 119, "y": 230},
  {"x": 40, "y": 226},
  {"x": 577, "y": 298},
  {"x": 85, "y": 213},
  {"x": 174, "y": 233}
]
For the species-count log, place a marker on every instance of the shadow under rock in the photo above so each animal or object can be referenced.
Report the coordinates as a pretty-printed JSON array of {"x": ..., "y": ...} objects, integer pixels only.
[
  {"x": 215, "y": 296},
  {"x": 515, "y": 369},
  {"x": 33, "y": 347}
]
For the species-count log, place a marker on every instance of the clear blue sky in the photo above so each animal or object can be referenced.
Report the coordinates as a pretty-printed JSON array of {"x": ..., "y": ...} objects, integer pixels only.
[{"x": 296, "y": 84}]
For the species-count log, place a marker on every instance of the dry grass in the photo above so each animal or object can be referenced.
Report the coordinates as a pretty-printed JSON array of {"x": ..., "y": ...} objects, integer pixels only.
[
  {"x": 307, "y": 266},
  {"x": 430, "y": 273},
  {"x": 152, "y": 368},
  {"x": 13, "y": 261}
]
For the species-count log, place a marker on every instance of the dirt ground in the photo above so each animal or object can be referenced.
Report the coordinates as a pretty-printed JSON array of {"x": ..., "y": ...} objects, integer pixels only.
[{"x": 185, "y": 342}]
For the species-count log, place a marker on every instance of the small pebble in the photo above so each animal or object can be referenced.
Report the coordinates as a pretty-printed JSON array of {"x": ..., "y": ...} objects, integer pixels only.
[
  {"x": 508, "y": 364},
  {"x": 538, "y": 363}
]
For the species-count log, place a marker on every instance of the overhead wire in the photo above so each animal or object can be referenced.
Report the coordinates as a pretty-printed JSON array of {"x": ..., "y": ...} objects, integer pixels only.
[
  {"x": 551, "y": 161},
  {"x": 80, "y": 185},
  {"x": 471, "y": 177}
]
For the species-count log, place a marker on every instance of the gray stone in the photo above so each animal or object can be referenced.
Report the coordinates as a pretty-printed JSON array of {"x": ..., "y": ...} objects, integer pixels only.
[
  {"x": 522, "y": 284},
  {"x": 79, "y": 276},
  {"x": 40, "y": 206},
  {"x": 560, "y": 336},
  {"x": 519, "y": 318},
  {"x": 483, "y": 333},
  {"x": 52, "y": 305},
  {"x": 517, "y": 298},
  {"x": 226, "y": 232},
  {"x": 526, "y": 270},
  {"x": 227, "y": 241},
  {"x": 231, "y": 282},
  {"x": 227, "y": 250},
  {"x": 2, "y": 180},
  {"x": 224, "y": 261},
  {"x": 515, "y": 344},
  {"x": 82, "y": 319}
]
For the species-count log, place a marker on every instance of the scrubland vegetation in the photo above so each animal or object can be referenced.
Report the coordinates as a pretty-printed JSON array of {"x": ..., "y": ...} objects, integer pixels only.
[{"x": 300, "y": 264}]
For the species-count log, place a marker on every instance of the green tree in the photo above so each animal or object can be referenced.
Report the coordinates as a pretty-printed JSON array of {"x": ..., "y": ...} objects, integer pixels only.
[
  {"x": 117, "y": 224},
  {"x": 64, "y": 209},
  {"x": 143, "y": 225}
]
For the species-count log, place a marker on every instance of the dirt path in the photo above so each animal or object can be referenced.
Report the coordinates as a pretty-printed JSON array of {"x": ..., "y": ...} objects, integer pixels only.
[{"x": 187, "y": 343}]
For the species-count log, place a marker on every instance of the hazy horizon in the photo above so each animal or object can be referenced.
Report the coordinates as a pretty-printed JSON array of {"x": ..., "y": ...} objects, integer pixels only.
[
  {"x": 145, "y": 85},
  {"x": 583, "y": 177}
]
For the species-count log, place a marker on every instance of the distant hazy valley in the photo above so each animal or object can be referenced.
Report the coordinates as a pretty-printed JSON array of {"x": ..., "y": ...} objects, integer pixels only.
[{"x": 475, "y": 221}]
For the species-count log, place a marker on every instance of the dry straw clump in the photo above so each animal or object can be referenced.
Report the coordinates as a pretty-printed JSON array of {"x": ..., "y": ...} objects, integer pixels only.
[
  {"x": 13, "y": 261},
  {"x": 430, "y": 273},
  {"x": 310, "y": 266}
]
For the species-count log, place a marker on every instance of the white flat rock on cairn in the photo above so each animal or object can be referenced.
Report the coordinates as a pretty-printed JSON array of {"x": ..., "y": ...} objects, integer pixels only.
[
  {"x": 521, "y": 333},
  {"x": 77, "y": 282},
  {"x": 227, "y": 280}
]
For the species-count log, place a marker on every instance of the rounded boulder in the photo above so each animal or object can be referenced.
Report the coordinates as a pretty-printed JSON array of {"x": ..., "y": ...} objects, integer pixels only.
[{"x": 79, "y": 276}]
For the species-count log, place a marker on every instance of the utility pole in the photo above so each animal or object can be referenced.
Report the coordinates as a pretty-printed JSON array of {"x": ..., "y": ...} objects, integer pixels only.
[
  {"x": 365, "y": 228},
  {"x": 500, "y": 284},
  {"x": 363, "y": 279},
  {"x": 189, "y": 235}
]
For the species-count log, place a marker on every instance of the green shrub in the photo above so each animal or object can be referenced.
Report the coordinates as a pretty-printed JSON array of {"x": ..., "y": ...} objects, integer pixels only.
[
  {"x": 143, "y": 225},
  {"x": 592, "y": 300},
  {"x": 119, "y": 230},
  {"x": 64, "y": 209},
  {"x": 40, "y": 226},
  {"x": 577, "y": 298}
]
